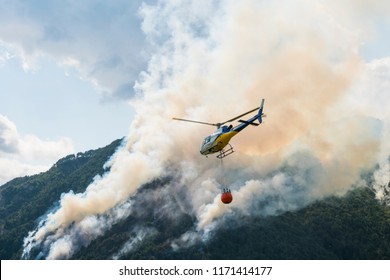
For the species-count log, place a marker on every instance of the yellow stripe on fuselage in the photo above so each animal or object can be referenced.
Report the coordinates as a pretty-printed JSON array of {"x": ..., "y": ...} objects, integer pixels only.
[{"x": 224, "y": 139}]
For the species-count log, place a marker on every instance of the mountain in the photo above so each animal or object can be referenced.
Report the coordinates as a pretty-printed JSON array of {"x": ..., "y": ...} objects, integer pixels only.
[
  {"x": 355, "y": 226},
  {"x": 23, "y": 200}
]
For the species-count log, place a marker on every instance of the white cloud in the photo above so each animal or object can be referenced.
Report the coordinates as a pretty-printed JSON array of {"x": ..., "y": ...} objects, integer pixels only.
[
  {"x": 8, "y": 135},
  {"x": 27, "y": 154},
  {"x": 103, "y": 39},
  {"x": 97, "y": 41}
]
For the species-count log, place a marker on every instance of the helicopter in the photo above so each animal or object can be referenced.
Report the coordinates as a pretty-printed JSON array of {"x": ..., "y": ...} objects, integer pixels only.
[{"x": 217, "y": 141}]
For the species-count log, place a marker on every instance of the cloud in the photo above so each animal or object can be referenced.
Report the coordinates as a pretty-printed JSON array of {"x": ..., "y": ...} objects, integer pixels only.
[
  {"x": 8, "y": 135},
  {"x": 102, "y": 39},
  {"x": 215, "y": 63},
  {"x": 22, "y": 155}
]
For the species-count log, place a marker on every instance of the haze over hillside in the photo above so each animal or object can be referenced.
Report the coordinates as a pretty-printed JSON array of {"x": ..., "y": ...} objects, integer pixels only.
[{"x": 155, "y": 224}]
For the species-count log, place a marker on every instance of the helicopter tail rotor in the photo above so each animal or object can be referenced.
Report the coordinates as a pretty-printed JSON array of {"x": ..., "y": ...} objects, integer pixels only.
[{"x": 261, "y": 114}]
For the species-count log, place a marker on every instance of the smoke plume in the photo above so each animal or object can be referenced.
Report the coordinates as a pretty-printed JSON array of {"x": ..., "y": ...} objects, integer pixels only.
[{"x": 214, "y": 60}]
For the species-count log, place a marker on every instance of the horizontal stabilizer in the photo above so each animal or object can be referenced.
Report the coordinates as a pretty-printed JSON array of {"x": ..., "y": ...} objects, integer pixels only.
[{"x": 251, "y": 123}]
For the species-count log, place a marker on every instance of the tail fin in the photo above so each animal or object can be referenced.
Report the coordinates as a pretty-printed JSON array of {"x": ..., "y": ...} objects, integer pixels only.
[{"x": 260, "y": 114}]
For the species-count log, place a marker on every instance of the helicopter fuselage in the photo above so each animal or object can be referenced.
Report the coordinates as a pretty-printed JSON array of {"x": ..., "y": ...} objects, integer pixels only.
[
  {"x": 217, "y": 141},
  {"x": 220, "y": 138}
]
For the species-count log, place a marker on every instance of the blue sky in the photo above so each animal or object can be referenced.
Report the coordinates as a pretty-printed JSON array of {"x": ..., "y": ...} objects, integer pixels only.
[
  {"x": 378, "y": 44},
  {"x": 67, "y": 71},
  {"x": 73, "y": 63},
  {"x": 51, "y": 104}
]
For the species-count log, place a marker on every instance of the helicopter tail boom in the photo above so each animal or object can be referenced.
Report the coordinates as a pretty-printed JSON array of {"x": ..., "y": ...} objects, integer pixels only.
[{"x": 259, "y": 116}]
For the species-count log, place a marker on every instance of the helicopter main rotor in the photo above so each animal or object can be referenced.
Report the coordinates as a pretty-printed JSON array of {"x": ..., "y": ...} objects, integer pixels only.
[{"x": 217, "y": 124}]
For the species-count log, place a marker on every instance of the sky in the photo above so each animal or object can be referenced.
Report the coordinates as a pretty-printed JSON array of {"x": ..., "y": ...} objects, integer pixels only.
[{"x": 68, "y": 70}]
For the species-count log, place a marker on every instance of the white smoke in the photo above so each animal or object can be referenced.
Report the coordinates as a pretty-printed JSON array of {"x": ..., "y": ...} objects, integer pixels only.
[
  {"x": 135, "y": 242},
  {"x": 382, "y": 182},
  {"x": 214, "y": 60}
]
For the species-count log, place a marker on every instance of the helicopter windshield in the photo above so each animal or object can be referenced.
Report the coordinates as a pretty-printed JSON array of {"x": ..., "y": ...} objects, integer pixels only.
[
  {"x": 210, "y": 139},
  {"x": 207, "y": 140}
]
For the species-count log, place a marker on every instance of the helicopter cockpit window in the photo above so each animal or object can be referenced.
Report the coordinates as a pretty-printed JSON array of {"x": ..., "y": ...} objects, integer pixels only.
[
  {"x": 213, "y": 138},
  {"x": 206, "y": 140}
]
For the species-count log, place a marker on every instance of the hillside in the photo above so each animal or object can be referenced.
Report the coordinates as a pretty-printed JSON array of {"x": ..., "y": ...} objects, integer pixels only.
[
  {"x": 355, "y": 226},
  {"x": 24, "y": 200},
  {"x": 351, "y": 227}
]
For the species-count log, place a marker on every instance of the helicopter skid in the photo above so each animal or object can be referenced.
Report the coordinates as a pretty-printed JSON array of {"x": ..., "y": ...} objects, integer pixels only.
[{"x": 225, "y": 152}]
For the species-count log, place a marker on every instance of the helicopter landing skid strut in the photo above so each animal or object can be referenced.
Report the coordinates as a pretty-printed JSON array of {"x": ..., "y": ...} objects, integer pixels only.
[{"x": 225, "y": 152}]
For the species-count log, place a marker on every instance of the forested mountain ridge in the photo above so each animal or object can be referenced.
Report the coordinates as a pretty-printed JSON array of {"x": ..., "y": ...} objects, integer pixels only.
[
  {"x": 23, "y": 200},
  {"x": 355, "y": 226}
]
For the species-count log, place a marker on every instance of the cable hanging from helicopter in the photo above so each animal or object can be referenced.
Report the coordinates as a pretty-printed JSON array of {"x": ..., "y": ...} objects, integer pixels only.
[{"x": 218, "y": 141}]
